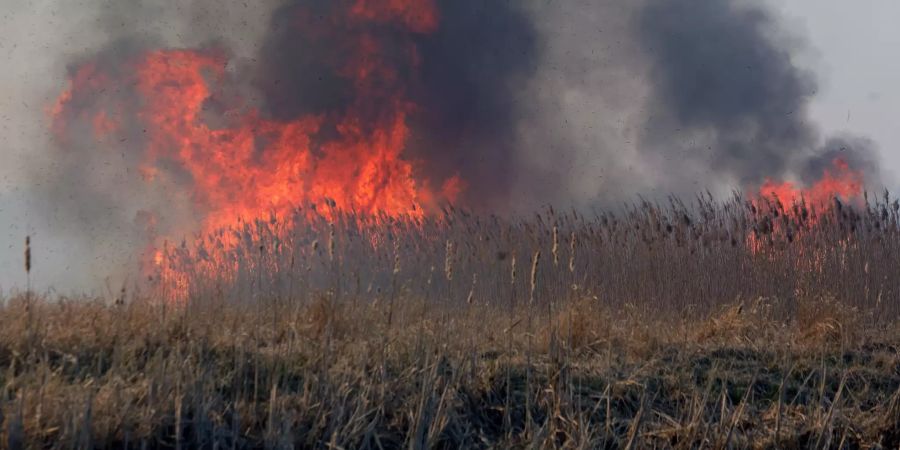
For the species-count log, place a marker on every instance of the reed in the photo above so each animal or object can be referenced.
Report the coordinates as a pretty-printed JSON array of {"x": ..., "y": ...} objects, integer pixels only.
[{"x": 640, "y": 327}]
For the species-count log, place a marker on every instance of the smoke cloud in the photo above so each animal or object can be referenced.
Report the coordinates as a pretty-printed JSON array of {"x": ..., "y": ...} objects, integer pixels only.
[
  {"x": 723, "y": 76},
  {"x": 467, "y": 82},
  {"x": 579, "y": 103}
]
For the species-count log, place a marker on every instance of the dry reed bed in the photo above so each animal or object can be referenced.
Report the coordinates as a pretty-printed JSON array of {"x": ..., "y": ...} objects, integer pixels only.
[
  {"x": 715, "y": 324},
  {"x": 675, "y": 257},
  {"x": 86, "y": 374}
]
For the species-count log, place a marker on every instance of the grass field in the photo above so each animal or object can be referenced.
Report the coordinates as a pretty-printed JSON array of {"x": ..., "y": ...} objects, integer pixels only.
[{"x": 713, "y": 325}]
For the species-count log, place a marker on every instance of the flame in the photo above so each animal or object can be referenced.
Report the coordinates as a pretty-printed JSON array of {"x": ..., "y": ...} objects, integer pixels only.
[
  {"x": 86, "y": 78},
  {"x": 841, "y": 182},
  {"x": 242, "y": 166},
  {"x": 799, "y": 205},
  {"x": 257, "y": 166},
  {"x": 252, "y": 166},
  {"x": 418, "y": 15}
]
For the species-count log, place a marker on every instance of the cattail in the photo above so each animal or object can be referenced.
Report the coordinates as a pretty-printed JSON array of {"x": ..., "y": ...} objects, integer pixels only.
[
  {"x": 470, "y": 299},
  {"x": 448, "y": 261},
  {"x": 28, "y": 272},
  {"x": 28, "y": 255},
  {"x": 534, "y": 268},
  {"x": 572, "y": 253},
  {"x": 331, "y": 242},
  {"x": 555, "y": 249},
  {"x": 396, "y": 257},
  {"x": 513, "y": 269}
]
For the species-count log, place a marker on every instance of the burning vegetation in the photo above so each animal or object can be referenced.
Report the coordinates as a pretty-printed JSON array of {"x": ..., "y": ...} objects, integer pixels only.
[
  {"x": 327, "y": 260},
  {"x": 660, "y": 326},
  {"x": 237, "y": 164}
]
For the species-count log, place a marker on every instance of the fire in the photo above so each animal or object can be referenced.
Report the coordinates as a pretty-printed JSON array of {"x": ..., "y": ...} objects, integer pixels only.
[
  {"x": 418, "y": 15},
  {"x": 257, "y": 166},
  {"x": 841, "y": 182},
  {"x": 248, "y": 166},
  {"x": 783, "y": 211}
]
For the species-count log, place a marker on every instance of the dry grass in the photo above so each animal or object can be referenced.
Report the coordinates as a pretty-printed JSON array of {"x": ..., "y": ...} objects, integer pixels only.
[
  {"x": 321, "y": 376},
  {"x": 673, "y": 327}
]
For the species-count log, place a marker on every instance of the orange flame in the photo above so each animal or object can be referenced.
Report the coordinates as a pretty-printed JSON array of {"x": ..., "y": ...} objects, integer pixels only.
[
  {"x": 257, "y": 166},
  {"x": 246, "y": 166},
  {"x": 254, "y": 166},
  {"x": 842, "y": 182},
  {"x": 839, "y": 182}
]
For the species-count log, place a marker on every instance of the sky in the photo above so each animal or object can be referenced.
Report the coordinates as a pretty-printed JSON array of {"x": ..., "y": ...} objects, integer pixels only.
[
  {"x": 853, "y": 47},
  {"x": 850, "y": 47}
]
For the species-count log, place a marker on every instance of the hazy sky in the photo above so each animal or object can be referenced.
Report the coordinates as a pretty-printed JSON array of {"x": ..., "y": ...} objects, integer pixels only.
[
  {"x": 854, "y": 53},
  {"x": 851, "y": 48}
]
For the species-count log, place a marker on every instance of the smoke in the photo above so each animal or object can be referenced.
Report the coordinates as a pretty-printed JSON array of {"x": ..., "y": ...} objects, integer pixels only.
[
  {"x": 581, "y": 113},
  {"x": 715, "y": 72},
  {"x": 858, "y": 152},
  {"x": 727, "y": 95},
  {"x": 579, "y": 103},
  {"x": 83, "y": 202},
  {"x": 466, "y": 81},
  {"x": 529, "y": 102},
  {"x": 473, "y": 78}
]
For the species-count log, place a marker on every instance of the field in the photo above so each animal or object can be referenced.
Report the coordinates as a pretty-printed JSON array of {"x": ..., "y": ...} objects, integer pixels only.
[{"x": 736, "y": 324}]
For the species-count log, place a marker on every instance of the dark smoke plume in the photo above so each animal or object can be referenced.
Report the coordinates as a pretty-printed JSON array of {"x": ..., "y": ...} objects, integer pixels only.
[
  {"x": 858, "y": 152},
  {"x": 581, "y": 102},
  {"x": 723, "y": 101},
  {"x": 721, "y": 76},
  {"x": 466, "y": 84}
]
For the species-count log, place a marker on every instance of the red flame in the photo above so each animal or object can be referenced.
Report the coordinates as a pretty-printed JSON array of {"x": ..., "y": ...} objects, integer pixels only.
[
  {"x": 243, "y": 166},
  {"x": 842, "y": 182},
  {"x": 838, "y": 182},
  {"x": 361, "y": 171},
  {"x": 253, "y": 166},
  {"x": 418, "y": 15}
]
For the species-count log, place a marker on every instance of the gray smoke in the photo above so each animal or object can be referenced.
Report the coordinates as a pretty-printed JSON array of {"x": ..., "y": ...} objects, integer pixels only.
[
  {"x": 727, "y": 95},
  {"x": 467, "y": 83},
  {"x": 532, "y": 102},
  {"x": 578, "y": 103}
]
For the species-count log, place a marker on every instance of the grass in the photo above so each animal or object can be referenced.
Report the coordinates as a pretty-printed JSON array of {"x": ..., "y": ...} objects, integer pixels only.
[
  {"x": 715, "y": 325},
  {"x": 96, "y": 375}
]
